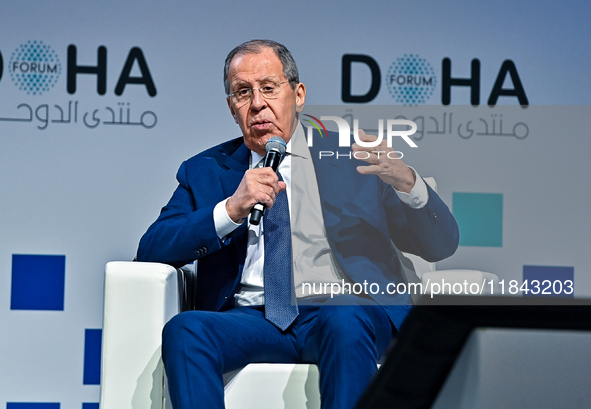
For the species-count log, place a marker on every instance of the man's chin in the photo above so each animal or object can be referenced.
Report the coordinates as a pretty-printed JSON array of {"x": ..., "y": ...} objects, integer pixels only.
[{"x": 259, "y": 141}]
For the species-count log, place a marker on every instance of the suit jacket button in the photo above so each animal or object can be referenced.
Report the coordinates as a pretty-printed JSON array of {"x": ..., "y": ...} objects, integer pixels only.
[{"x": 435, "y": 217}]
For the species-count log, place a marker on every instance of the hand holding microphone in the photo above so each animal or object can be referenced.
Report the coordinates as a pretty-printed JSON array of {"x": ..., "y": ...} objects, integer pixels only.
[
  {"x": 259, "y": 186},
  {"x": 276, "y": 148}
]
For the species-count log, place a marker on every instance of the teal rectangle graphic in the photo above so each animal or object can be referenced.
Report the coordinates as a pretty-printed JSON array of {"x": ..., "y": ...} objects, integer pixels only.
[{"x": 480, "y": 218}]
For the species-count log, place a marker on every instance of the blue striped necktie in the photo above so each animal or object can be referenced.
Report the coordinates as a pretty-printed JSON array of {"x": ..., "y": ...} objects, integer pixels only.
[{"x": 281, "y": 307}]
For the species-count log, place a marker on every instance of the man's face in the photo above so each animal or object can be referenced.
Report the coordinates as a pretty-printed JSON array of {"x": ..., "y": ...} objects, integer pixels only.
[{"x": 260, "y": 118}]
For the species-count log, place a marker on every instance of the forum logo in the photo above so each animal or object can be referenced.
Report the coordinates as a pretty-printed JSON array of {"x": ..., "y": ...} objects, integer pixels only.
[
  {"x": 34, "y": 67},
  {"x": 411, "y": 80}
]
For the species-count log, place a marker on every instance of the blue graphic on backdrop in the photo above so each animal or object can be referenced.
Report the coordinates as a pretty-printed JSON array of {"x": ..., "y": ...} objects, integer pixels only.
[
  {"x": 549, "y": 281},
  {"x": 38, "y": 282},
  {"x": 34, "y": 67},
  {"x": 92, "y": 356}
]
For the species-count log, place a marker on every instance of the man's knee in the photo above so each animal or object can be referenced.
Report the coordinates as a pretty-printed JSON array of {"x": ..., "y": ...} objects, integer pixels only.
[
  {"x": 354, "y": 322},
  {"x": 340, "y": 321},
  {"x": 187, "y": 324},
  {"x": 172, "y": 333}
]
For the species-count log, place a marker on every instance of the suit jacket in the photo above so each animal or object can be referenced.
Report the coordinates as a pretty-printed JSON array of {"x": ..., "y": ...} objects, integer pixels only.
[{"x": 363, "y": 216}]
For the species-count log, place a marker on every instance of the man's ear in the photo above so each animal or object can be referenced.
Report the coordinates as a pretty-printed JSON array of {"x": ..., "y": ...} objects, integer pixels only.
[
  {"x": 300, "y": 93},
  {"x": 232, "y": 110}
]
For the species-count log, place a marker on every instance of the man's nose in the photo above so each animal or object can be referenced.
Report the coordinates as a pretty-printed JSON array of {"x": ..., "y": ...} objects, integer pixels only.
[{"x": 258, "y": 102}]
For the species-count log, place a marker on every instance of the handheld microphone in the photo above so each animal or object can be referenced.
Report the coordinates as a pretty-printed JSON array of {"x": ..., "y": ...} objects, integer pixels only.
[{"x": 276, "y": 148}]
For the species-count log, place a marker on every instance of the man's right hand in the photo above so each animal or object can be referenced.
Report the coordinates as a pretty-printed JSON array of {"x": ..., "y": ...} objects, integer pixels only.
[{"x": 257, "y": 186}]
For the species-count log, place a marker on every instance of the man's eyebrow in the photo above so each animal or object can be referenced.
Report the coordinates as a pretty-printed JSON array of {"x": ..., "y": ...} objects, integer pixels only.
[
  {"x": 269, "y": 79},
  {"x": 272, "y": 79},
  {"x": 240, "y": 83}
]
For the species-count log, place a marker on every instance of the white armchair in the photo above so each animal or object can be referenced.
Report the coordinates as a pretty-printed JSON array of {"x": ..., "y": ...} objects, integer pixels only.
[{"x": 140, "y": 298}]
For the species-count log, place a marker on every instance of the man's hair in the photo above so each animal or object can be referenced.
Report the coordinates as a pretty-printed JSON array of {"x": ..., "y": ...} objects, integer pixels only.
[{"x": 290, "y": 69}]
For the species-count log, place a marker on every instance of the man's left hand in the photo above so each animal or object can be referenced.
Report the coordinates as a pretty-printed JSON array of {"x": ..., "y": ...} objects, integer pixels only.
[{"x": 382, "y": 162}]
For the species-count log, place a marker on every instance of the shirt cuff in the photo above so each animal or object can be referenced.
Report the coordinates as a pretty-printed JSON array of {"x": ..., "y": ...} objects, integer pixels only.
[
  {"x": 224, "y": 225},
  {"x": 418, "y": 196}
]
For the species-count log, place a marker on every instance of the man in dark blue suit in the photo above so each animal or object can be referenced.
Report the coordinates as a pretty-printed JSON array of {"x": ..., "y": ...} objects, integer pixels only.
[{"x": 341, "y": 223}]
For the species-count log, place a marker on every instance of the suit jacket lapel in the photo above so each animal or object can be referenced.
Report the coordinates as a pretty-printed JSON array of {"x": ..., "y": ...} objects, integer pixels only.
[
  {"x": 232, "y": 172},
  {"x": 233, "y": 169}
]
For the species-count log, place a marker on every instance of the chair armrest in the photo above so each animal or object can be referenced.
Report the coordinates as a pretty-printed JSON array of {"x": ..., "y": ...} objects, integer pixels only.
[
  {"x": 140, "y": 298},
  {"x": 463, "y": 279}
]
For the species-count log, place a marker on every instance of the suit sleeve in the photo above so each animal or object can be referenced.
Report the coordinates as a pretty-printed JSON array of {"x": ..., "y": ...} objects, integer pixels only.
[
  {"x": 430, "y": 232},
  {"x": 184, "y": 231}
]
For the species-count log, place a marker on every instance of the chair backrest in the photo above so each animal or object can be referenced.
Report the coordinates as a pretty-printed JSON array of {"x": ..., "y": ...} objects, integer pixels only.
[{"x": 187, "y": 276}]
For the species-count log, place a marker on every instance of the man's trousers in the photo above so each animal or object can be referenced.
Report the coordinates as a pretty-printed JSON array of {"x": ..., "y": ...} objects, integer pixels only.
[{"x": 345, "y": 341}]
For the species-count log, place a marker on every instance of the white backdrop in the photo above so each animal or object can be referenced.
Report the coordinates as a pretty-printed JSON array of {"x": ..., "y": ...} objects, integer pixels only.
[{"x": 90, "y": 193}]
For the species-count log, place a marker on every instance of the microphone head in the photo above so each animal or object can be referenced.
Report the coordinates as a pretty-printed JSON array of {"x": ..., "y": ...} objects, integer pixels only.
[{"x": 277, "y": 144}]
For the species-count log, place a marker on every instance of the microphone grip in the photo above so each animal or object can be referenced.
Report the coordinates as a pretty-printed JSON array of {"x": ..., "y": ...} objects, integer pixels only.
[{"x": 256, "y": 213}]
